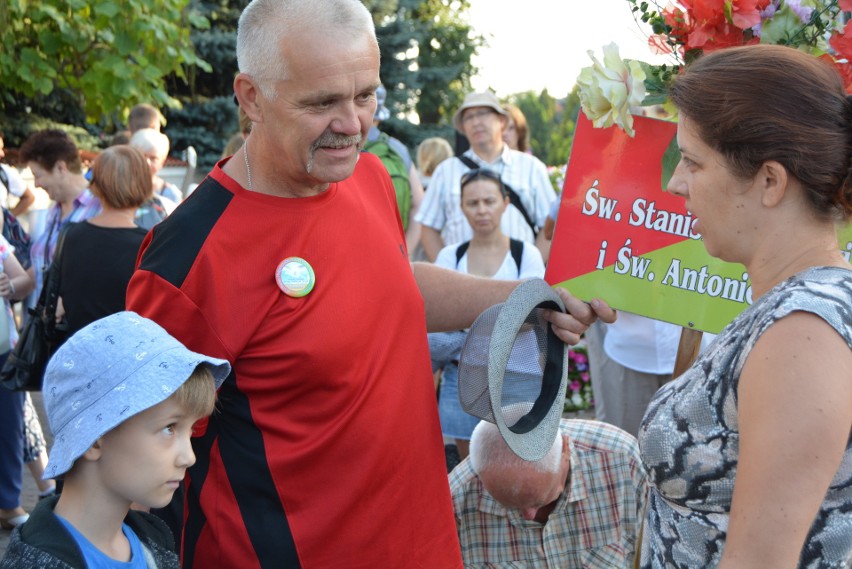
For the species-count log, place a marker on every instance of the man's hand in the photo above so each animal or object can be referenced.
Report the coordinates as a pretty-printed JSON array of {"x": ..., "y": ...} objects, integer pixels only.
[{"x": 569, "y": 327}]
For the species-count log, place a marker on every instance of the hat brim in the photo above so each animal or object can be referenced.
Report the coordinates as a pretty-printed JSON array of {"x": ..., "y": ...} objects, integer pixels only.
[
  {"x": 532, "y": 436},
  {"x": 74, "y": 438}
]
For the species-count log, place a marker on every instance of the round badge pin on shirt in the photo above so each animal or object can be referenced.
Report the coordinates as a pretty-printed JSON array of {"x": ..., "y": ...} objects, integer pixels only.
[{"x": 295, "y": 277}]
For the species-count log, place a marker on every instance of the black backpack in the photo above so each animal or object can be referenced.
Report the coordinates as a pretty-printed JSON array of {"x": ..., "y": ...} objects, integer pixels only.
[{"x": 516, "y": 247}]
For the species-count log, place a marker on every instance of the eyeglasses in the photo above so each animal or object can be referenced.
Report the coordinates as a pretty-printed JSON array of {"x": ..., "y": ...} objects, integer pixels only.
[
  {"x": 470, "y": 115},
  {"x": 478, "y": 173}
]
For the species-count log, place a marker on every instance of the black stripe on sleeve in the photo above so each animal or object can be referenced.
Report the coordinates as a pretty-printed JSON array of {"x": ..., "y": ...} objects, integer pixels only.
[{"x": 177, "y": 240}]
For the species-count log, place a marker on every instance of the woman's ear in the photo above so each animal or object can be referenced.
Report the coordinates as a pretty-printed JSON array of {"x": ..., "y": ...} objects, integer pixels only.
[{"x": 773, "y": 181}]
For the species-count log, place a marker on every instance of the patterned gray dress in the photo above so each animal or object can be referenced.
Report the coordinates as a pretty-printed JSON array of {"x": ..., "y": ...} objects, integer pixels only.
[{"x": 689, "y": 438}]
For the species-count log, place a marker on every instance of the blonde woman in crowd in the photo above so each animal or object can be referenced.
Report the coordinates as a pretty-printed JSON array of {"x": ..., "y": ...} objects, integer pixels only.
[{"x": 430, "y": 153}]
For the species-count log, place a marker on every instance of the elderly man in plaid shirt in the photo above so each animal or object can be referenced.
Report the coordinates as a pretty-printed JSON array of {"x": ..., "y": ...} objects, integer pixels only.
[{"x": 580, "y": 506}]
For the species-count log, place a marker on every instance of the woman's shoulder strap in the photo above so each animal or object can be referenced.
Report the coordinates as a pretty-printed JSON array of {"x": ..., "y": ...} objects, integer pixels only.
[
  {"x": 460, "y": 251},
  {"x": 517, "y": 249}
]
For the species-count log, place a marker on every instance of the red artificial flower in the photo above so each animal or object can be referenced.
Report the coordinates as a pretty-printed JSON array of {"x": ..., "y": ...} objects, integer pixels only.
[
  {"x": 659, "y": 44},
  {"x": 845, "y": 5},
  {"x": 679, "y": 21},
  {"x": 706, "y": 12},
  {"x": 841, "y": 42},
  {"x": 845, "y": 70},
  {"x": 718, "y": 37},
  {"x": 745, "y": 14},
  {"x": 679, "y": 28},
  {"x": 703, "y": 24}
]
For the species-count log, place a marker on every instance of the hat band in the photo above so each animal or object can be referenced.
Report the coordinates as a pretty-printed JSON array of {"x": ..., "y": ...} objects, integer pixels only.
[{"x": 550, "y": 382}]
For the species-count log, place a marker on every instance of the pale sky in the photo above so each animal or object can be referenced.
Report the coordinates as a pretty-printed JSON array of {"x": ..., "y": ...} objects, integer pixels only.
[{"x": 542, "y": 43}]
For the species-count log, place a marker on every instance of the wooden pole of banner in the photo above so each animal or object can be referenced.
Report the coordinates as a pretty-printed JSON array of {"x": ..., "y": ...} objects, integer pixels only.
[{"x": 687, "y": 350}]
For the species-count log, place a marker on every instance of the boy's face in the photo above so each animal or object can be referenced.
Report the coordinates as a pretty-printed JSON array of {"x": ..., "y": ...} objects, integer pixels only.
[{"x": 143, "y": 459}]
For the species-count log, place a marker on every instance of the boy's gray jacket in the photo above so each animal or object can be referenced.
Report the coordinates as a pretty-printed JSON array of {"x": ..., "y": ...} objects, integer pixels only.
[{"x": 44, "y": 543}]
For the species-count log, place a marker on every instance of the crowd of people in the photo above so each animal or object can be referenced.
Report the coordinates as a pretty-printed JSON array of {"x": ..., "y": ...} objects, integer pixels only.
[{"x": 319, "y": 280}]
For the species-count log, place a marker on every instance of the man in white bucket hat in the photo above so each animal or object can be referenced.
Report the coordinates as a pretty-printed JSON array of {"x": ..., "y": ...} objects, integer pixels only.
[{"x": 482, "y": 119}]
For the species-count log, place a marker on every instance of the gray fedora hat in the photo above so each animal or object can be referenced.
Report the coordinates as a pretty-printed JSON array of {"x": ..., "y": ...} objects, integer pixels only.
[
  {"x": 483, "y": 99},
  {"x": 107, "y": 372},
  {"x": 513, "y": 370}
]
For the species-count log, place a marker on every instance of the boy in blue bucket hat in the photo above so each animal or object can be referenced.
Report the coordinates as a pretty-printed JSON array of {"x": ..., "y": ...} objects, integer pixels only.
[{"x": 121, "y": 396}]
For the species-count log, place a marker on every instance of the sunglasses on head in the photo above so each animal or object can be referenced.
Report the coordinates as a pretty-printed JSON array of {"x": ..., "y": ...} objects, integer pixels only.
[
  {"x": 483, "y": 173},
  {"x": 478, "y": 173}
]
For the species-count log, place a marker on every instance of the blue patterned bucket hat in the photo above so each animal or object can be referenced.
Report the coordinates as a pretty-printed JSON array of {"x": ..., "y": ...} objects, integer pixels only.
[{"x": 107, "y": 372}]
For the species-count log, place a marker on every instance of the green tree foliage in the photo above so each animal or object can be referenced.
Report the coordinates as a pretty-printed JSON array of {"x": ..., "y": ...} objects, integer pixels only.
[
  {"x": 426, "y": 47},
  {"x": 205, "y": 125},
  {"x": 444, "y": 59},
  {"x": 551, "y": 123},
  {"x": 217, "y": 45},
  {"x": 105, "y": 55},
  {"x": 207, "y": 115},
  {"x": 86, "y": 62}
]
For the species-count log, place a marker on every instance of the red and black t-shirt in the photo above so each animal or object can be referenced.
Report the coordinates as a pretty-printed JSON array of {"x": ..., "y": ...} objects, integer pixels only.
[{"x": 325, "y": 450}]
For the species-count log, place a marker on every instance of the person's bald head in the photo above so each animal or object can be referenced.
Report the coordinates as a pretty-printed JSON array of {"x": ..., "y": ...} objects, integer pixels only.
[{"x": 512, "y": 481}]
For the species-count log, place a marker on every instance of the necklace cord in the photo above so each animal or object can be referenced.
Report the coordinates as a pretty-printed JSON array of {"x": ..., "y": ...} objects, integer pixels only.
[{"x": 248, "y": 167}]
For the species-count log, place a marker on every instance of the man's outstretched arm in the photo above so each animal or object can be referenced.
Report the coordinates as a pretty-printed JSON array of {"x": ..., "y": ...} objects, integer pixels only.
[{"x": 454, "y": 300}]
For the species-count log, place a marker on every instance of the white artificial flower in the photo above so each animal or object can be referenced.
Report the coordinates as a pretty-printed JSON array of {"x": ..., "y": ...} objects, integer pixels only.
[{"x": 608, "y": 91}]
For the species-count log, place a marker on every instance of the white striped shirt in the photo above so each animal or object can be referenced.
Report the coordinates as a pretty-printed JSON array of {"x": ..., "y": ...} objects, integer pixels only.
[{"x": 526, "y": 174}]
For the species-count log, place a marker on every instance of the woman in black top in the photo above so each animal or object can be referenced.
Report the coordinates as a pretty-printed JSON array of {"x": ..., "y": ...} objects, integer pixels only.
[{"x": 99, "y": 254}]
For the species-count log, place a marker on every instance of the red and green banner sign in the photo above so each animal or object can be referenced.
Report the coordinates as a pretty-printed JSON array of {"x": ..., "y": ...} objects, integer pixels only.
[{"x": 621, "y": 238}]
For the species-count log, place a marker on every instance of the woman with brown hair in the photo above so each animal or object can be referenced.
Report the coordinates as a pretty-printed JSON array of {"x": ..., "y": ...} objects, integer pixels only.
[
  {"x": 748, "y": 453},
  {"x": 99, "y": 254},
  {"x": 516, "y": 134}
]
